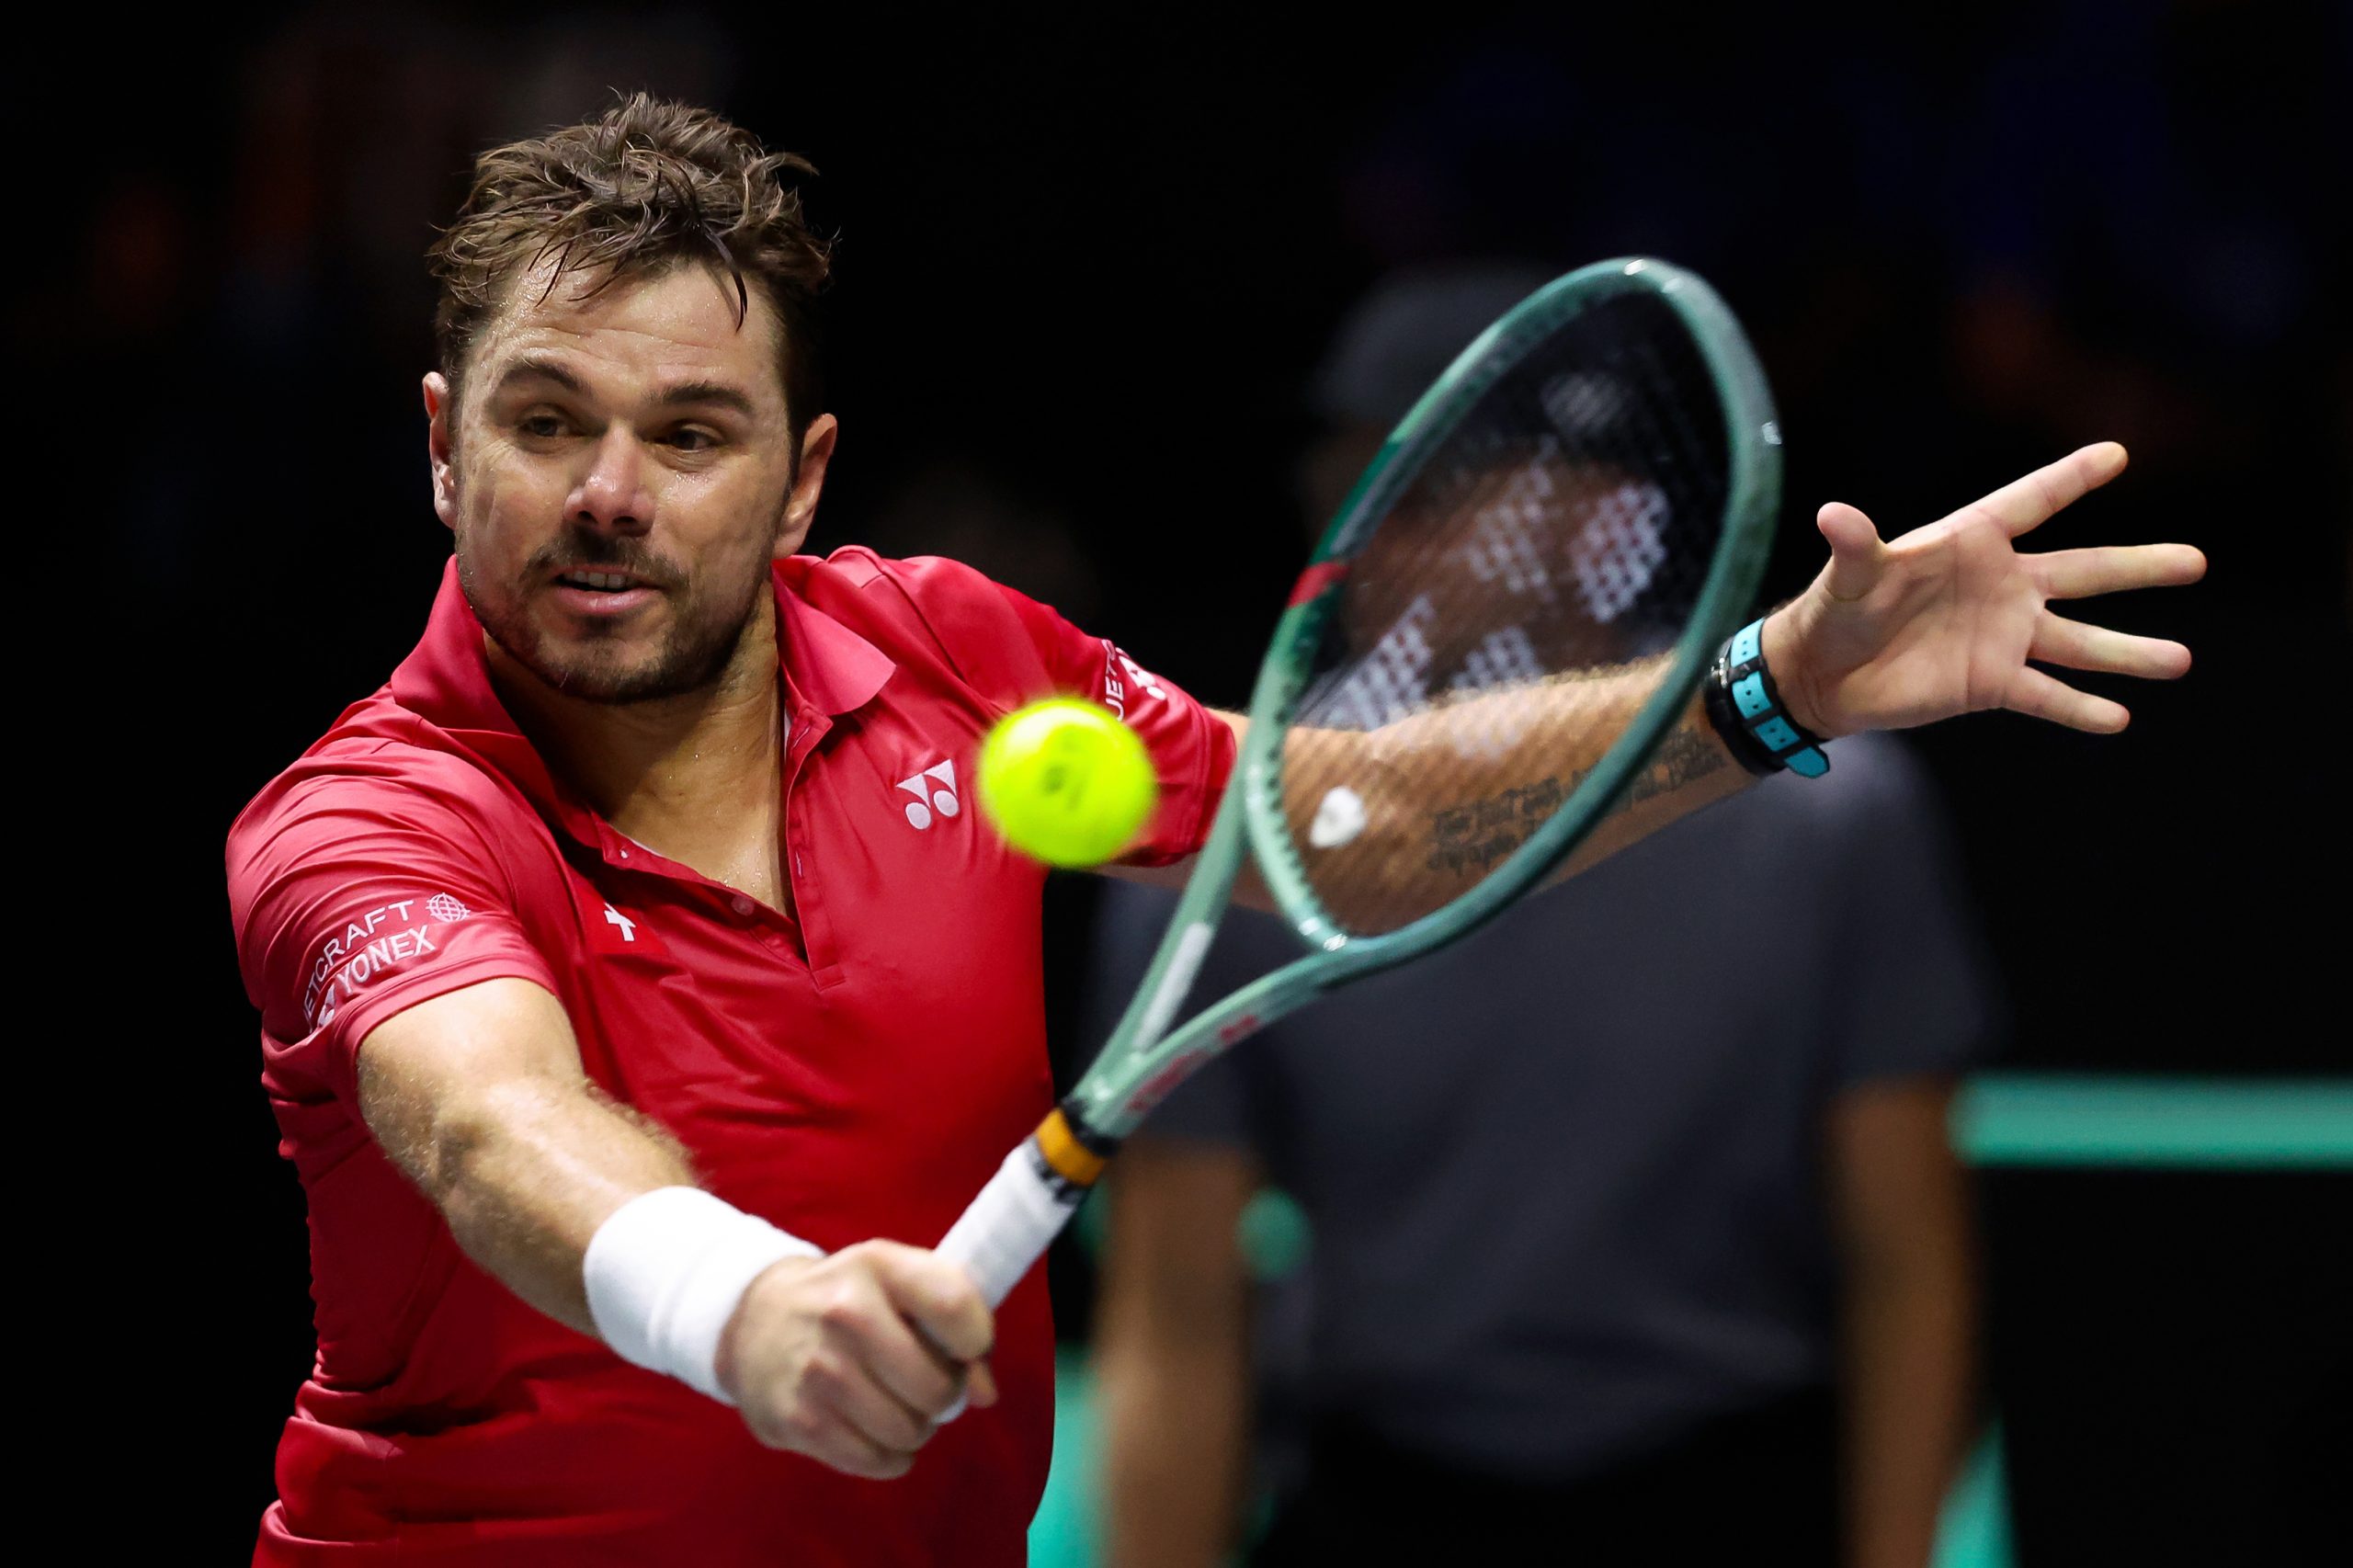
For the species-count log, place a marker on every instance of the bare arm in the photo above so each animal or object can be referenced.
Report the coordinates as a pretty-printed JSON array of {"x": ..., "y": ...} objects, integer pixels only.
[
  {"x": 1908, "y": 1298},
  {"x": 1172, "y": 1355},
  {"x": 1950, "y": 618},
  {"x": 1422, "y": 857},
  {"x": 480, "y": 1096}
]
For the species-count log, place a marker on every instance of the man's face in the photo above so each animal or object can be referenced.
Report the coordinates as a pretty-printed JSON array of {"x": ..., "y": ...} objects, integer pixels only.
[{"x": 619, "y": 476}]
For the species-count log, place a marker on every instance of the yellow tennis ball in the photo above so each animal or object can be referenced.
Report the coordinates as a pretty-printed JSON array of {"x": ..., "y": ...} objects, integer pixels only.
[{"x": 1066, "y": 781}]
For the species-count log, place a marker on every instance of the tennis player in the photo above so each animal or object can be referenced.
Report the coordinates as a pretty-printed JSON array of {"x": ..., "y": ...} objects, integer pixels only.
[{"x": 640, "y": 994}]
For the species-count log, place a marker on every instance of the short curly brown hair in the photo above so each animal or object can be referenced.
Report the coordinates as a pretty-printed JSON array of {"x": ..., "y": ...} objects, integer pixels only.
[{"x": 644, "y": 188}]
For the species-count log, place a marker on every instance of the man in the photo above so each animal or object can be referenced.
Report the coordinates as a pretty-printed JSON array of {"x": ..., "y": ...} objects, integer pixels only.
[
  {"x": 1627, "y": 1165},
  {"x": 637, "y": 994}
]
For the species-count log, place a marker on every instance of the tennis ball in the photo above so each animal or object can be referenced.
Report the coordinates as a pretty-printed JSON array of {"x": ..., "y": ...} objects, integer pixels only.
[{"x": 1066, "y": 782}]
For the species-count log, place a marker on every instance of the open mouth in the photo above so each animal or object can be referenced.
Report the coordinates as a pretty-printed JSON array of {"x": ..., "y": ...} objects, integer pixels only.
[
  {"x": 600, "y": 582},
  {"x": 590, "y": 592}
]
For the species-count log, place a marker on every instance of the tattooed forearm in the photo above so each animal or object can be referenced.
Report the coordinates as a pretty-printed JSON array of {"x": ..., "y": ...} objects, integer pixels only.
[
  {"x": 1475, "y": 834},
  {"x": 1469, "y": 837},
  {"x": 1685, "y": 758}
]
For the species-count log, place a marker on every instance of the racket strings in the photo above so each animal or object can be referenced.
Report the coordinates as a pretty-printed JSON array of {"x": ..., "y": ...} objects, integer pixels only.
[{"x": 1495, "y": 623}]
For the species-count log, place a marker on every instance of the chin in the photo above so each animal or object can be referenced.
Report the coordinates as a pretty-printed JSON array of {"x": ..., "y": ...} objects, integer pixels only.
[
  {"x": 619, "y": 670},
  {"x": 595, "y": 681},
  {"x": 607, "y": 673}
]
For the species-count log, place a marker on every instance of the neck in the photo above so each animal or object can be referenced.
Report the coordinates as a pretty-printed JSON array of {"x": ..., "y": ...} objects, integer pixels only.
[{"x": 682, "y": 775}]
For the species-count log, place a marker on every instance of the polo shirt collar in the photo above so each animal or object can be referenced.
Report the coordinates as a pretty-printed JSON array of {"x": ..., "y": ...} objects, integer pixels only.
[
  {"x": 826, "y": 669},
  {"x": 830, "y": 667}
]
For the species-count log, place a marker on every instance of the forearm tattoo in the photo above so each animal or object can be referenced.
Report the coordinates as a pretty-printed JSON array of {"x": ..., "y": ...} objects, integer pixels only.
[{"x": 1473, "y": 836}]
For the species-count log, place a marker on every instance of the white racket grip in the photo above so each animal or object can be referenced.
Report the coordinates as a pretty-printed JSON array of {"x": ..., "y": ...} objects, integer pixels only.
[
  {"x": 1009, "y": 1225},
  {"x": 1005, "y": 1230}
]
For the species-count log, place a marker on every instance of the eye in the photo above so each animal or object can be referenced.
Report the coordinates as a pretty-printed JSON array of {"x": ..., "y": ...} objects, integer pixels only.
[
  {"x": 544, "y": 427},
  {"x": 690, "y": 439}
]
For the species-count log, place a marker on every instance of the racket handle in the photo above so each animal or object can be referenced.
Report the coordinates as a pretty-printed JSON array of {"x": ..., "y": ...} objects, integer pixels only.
[{"x": 1008, "y": 1227}]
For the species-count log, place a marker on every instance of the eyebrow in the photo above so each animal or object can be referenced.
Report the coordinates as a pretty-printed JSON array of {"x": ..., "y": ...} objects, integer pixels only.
[{"x": 681, "y": 393}]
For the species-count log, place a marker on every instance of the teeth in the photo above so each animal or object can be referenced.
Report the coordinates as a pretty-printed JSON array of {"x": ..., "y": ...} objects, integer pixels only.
[{"x": 605, "y": 580}]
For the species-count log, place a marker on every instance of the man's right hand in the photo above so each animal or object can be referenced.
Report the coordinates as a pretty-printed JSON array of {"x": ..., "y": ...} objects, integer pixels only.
[{"x": 852, "y": 1358}]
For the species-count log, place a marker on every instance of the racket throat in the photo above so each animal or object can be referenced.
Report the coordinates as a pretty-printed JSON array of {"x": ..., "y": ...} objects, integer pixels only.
[{"x": 1069, "y": 1154}]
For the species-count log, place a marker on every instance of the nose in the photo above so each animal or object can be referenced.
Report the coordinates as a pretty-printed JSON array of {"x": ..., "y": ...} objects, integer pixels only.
[{"x": 612, "y": 495}]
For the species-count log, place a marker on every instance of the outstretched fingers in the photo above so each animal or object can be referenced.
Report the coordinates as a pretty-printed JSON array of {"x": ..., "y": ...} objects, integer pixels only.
[
  {"x": 2058, "y": 641},
  {"x": 2118, "y": 568},
  {"x": 2025, "y": 502},
  {"x": 2041, "y": 696}
]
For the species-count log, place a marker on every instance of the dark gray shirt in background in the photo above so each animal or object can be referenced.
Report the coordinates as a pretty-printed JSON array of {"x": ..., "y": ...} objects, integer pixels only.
[{"x": 1565, "y": 1176}]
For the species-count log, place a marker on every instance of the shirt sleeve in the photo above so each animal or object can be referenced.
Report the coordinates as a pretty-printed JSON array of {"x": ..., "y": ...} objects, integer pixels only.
[
  {"x": 1019, "y": 651},
  {"x": 355, "y": 897},
  {"x": 1917, "y": 990}
]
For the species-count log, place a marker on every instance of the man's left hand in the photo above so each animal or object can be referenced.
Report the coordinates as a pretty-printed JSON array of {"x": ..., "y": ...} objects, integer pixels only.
[{"x": 1946, "y": 619}]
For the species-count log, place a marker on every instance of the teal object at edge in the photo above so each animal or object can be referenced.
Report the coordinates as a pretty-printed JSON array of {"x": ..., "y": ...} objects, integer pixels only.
[{"x": 2006, "y": 1120}]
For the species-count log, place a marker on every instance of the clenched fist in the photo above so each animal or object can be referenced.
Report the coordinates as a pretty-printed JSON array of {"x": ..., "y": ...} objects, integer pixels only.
[{"x": 852, "y": 1358}]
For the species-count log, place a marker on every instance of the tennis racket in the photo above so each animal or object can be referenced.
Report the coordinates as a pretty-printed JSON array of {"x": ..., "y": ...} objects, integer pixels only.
[{"x": 1533, "y": 572}]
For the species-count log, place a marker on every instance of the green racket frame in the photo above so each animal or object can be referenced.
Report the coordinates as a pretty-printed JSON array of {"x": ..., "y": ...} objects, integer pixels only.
[
  {"x": 1144, "y": 1059},
  {"x": 1107, "y": 1103}
]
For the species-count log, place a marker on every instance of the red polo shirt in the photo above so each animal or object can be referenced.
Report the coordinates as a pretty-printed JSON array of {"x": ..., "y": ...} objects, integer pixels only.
[{"x": 855, "y": 1070}]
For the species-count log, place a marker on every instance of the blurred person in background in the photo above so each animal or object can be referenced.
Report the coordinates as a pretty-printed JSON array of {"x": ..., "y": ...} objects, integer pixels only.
[{"x": 1636, "y": 1235}]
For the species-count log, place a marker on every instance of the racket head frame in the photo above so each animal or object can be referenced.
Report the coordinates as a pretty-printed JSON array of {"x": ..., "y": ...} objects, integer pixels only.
[
  {"x": 1144, "y": 1059},
  {"x": 1752, "y": 500}
]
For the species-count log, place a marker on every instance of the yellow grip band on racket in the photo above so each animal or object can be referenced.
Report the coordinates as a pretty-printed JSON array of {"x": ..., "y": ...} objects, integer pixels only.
[{"x": 1070, "y": 1159}]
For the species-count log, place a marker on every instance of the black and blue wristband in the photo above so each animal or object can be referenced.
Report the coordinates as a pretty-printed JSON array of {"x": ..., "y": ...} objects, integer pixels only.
[{"x": 1746, "y": 710}]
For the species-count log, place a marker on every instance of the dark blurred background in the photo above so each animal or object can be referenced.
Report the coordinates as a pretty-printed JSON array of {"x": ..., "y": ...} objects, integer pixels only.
[{"x": 1084, "y": 273}]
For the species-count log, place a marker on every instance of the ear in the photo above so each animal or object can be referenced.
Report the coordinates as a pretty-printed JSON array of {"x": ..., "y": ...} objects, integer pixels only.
[
  {"x": 438, "y": 445},
  {"x": 800, "y": 506}
]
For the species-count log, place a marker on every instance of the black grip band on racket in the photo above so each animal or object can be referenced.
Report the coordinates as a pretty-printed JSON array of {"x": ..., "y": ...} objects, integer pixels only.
[{"x": 1069, "y": 1156}]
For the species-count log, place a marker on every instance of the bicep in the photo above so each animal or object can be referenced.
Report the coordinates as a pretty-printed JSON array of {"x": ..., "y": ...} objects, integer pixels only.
[
  {"x": 358, "y": 899},
  {"x": 429, "y": 1066}
]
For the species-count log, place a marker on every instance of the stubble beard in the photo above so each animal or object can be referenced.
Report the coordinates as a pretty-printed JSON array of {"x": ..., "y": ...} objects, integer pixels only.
[{"x": 699, "y": 643}]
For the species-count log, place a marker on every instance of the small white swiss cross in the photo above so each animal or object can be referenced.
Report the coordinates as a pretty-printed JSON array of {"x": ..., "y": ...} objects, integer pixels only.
[{"x": 615, "y": 917}]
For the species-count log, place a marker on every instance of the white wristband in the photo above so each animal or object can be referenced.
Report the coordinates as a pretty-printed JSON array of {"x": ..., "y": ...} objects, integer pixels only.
[{"x": 663, "y": 1274}]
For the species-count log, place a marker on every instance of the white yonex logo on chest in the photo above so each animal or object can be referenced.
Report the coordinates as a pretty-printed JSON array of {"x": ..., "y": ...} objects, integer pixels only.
[
  {"x": 615, "y": 917},
  {"x": 928, "y": 800}
]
